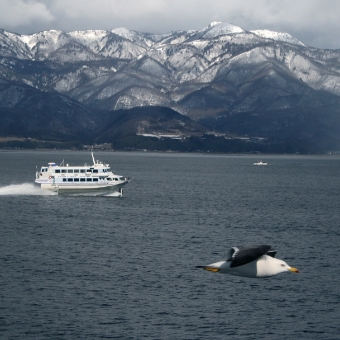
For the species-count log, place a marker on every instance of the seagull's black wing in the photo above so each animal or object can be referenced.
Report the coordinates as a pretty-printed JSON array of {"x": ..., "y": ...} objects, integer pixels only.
[
  {"x": 238, "y": 256},
  {"x": 272, "y": 252}
]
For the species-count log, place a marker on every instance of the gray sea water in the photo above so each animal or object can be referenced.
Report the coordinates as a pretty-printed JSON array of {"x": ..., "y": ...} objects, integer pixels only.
[{"x": 123, "y": 267}]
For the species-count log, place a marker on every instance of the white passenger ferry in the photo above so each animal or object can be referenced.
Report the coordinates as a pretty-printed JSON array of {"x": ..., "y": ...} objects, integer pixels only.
[{"x": 96, "y": 179}]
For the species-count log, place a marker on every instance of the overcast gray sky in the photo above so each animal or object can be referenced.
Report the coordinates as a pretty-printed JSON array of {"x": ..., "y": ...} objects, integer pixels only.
[{"x": 314, "y": 22}]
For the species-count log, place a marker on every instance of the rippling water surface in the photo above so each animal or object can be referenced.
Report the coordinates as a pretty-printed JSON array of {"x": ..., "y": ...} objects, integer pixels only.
[{"x": 123, "y": 268}]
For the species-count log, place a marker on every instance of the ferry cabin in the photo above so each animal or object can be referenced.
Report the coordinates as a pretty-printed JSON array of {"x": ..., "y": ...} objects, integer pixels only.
[{"x": 79, "y": 174}]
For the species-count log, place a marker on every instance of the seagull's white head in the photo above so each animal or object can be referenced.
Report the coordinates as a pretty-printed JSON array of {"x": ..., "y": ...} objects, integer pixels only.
[
  {"x": 282, "y": 266},
  {"x": 269, "y": 266}
]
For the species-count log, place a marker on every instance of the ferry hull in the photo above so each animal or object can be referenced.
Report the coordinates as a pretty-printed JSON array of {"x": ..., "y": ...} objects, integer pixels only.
[
  {"x": 85, "y": 190},
  {"x": 91, "y": 192}
]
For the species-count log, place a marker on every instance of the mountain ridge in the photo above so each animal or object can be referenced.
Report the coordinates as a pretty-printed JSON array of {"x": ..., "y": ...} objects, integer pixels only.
[{"x": 219, "y": 71}]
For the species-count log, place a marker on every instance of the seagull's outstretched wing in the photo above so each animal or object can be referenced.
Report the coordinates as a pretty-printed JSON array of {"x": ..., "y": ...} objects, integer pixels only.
[{"x": 238, "y": 256}]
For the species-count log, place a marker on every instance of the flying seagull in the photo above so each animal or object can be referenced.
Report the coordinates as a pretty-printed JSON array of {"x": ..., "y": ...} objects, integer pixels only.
[{"x": 250, "y": 261}]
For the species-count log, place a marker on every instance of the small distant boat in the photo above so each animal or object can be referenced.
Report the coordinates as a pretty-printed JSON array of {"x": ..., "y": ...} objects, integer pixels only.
[
  {"x": 96, "y": 179},
  {"x": 260, "y": 163}
]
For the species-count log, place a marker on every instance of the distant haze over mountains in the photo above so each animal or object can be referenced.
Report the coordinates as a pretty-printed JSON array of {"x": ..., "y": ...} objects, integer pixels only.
[{"x": 230, "y": 81}]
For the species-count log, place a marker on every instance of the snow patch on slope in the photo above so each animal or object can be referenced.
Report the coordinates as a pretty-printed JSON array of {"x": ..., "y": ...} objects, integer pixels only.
[
  {"x": 50, "y": 38},
  {"x": 139, "y": 96},
  {"x": 88, "y": 36}
]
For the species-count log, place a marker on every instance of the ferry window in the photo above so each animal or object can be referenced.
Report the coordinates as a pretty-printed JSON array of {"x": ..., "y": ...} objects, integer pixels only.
[
  {"x": 88, "y": 179},
  {"x": 76, "y": 171},
  {"x": 57, "y": 171},
  {"x": 82, "y": 170},
  {"x": 70, "y": 180},
  {"x": 76, "y": 179},
  {"x": 95, "y": 171},
  {"x": 64, "y": 179},
  {"x": 82, "y": 180},
  {"x": 88, "y": 170},
  {"x": 70, "y": 171},
  {"x": 63, "y": 171},
  {"x": 95, "y": 180},
  {"x": 116, "y": 179}
]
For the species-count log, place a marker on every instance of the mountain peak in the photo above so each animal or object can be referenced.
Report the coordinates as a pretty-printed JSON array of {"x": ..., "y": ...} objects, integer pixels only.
[
  {"x": 214, "y": 23},
  {"x": 278, "y": 36},
  {"x": 123, "y": 32},
  {"x": 217, "y": 28}
]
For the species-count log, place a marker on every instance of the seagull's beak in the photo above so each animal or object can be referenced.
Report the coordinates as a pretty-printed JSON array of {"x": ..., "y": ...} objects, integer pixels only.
[
  {"x": 210, "y": 269},
  {"x": 293, "y": 270}
]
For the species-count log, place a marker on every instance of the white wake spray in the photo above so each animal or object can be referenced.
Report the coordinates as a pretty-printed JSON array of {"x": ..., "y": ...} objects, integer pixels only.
[{"x": 24, "y": 189}]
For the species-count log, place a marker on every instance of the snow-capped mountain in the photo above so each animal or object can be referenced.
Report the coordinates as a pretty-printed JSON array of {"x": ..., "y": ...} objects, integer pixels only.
[
  {"x": 170, "y": 61},
  {"x": 215, "y": 72}
]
